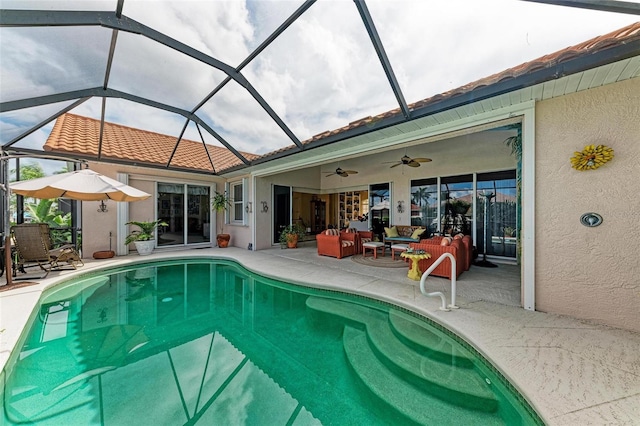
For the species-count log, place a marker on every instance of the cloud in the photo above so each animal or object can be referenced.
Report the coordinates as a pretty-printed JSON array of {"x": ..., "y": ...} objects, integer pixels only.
[{"x": 320, "y": 74}]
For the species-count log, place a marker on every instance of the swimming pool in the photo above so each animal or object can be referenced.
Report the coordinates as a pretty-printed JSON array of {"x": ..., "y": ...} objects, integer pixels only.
[{"x": 205, "y": 341}]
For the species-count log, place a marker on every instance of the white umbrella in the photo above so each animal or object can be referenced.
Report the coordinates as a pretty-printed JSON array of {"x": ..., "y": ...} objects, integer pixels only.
[
  {"x": 83, "y": 185},
  {"x": 383, "y": 205}
]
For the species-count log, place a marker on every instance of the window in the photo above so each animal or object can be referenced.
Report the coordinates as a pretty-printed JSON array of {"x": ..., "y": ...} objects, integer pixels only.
[
  {"x": 237, "y": 212},
  {"x": 424, "y": 203}
]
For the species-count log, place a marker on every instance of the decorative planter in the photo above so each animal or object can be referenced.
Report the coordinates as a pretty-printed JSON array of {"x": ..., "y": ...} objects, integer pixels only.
[
  {"x": 223, "y": 240},
  {"x": 104, "y": 254},
  {"x": 145, "y": 247},
  {"x": 292, "y": 241}
]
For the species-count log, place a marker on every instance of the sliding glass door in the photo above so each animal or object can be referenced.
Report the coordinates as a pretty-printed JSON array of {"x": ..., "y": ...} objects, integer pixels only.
[
  {"x": 496, "y": 210},
  {"x": 186, "y": 210},
  {"x": 379, "y": 207}
]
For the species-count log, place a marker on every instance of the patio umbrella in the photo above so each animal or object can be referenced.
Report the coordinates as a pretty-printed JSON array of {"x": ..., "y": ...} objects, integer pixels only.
[
  {"x": 83, "y": 185},
  {"x": 383, "y": 205}
]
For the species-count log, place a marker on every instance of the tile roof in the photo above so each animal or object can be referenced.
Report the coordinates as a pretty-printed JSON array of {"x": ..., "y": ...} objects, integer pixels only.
[
  {"x": 75, "y": 134},
  {"x": 600, "y": 43}
]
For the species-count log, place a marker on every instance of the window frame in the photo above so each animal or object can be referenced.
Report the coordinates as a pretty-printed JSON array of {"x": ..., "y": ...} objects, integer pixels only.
[{"x": 235, "y": 203}]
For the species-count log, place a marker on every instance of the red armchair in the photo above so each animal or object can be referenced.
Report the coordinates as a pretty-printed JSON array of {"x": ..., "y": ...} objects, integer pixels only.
[
  {"x": 336, "y": 244},
  {"x": 456, "y": 248}
]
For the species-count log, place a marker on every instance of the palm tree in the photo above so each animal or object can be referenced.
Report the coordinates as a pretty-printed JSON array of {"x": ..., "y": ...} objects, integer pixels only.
[{"x": 420, "y": 195}]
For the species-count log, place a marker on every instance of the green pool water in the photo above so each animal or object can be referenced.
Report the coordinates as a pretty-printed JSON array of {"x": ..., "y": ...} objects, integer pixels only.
[{"x": 207, "y": 342}]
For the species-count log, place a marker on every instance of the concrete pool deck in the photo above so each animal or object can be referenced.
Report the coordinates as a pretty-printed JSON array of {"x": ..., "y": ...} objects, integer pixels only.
[{"x": 571, "y": 371}]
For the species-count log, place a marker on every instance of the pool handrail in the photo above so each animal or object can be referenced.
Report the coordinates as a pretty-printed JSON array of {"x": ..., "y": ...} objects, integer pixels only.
[{"x": 425, "y": 275}]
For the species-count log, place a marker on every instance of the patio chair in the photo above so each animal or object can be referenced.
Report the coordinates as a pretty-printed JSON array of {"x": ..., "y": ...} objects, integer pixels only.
[
  {"x": 33, "y": 244},
  {"x": 336, "y": 244}
]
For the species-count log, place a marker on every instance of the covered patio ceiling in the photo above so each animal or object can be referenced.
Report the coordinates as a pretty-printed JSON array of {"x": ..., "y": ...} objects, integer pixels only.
[{"x": 275, "y": 78}]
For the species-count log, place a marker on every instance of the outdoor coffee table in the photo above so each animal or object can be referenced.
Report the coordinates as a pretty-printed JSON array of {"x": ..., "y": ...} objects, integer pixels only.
[
  {"x": 373, "y": 246},
  {"x": 414, "y": 272},
  {"x": 398, "y": 248}
]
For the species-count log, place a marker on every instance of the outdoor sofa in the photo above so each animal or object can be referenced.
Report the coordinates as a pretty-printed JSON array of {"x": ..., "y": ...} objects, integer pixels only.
[
  {"x": 459, "y": 246},
  {"x": 403, "y": 234}
]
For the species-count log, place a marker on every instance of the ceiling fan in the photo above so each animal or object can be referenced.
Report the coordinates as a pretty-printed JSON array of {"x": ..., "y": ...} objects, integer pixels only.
[
  {"x": 343, "y": 173},
  {"x": 408, "y": 161}
]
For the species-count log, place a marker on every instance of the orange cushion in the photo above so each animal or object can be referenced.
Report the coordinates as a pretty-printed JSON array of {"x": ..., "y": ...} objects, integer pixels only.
[{"x": 445, "y": 241}]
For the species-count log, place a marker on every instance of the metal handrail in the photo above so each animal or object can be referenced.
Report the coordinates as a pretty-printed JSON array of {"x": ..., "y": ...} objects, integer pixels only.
[{"x": 425, "y": 275}]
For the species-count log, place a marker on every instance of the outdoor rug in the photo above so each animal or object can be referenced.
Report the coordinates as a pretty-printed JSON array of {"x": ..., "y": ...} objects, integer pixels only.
[{"x": 381, "y": 262}]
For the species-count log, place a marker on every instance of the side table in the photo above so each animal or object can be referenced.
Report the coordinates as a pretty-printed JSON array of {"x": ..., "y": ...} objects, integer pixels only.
[{"x": 414, "y": 272}]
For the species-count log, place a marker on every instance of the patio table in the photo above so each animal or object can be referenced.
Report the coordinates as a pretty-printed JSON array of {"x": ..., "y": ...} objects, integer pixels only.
[{"x": 414, "y": 271}]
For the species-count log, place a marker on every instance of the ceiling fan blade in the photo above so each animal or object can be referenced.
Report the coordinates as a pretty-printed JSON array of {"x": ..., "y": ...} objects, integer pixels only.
[
  {"x": 396, "y": 165},
  {"x": 413, "y": 163},
  {"x": 422, "y": 160},
  {"x": 343, "y": 174},
  {"x": 351, "y": 172},
  {"x": 330, "y": 174}
]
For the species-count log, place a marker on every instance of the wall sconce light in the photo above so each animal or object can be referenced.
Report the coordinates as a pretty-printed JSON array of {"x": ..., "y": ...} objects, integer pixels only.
[
  {"x": 102, "y": 207},
  {"x": 591, "y": 219},
  {"x": 400, "y": 207},
  {"x": 264, "y": 208},
  {"x": 247, "y": 208}
]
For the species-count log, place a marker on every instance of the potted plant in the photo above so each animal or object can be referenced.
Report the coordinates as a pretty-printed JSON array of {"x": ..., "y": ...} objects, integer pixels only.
[
  {"x": 291, "y": 234},
  {"x": 144, "y": 238},
  {"x": 220, "y": 203}
]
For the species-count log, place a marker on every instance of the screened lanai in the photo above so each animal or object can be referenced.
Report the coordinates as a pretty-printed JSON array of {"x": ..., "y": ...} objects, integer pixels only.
[
  {"x": 271, "y": 78},
  {"x": 290, "y": 84}
]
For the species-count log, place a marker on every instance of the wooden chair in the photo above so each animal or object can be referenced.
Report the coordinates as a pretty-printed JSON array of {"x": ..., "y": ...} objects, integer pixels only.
[{"x": 33, "y": 244}]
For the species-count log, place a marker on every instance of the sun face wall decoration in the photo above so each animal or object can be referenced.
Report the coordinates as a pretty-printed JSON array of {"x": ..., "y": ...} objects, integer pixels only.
[{"x": 591, "y": 157}]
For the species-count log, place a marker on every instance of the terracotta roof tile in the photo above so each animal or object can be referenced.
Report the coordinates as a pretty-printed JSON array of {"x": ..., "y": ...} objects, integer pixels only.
[
  {"x": 75, "y": 134},
  {"x": 621, "y": 36}
]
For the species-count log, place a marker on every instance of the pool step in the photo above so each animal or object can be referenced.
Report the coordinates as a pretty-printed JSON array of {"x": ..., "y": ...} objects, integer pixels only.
[
  {"x": 421, "y": 408},
  {"x": 427, "y": 340},
  {"x": 421, "y": 340},
  {"x": 458, "y": 385}
]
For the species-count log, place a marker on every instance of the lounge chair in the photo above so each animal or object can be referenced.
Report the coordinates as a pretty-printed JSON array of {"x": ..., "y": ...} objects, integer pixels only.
[{"x": 33, "y": 244}]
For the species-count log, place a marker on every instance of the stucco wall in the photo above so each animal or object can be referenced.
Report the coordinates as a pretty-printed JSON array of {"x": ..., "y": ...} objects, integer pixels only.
[{"x": 590, "y": 273}]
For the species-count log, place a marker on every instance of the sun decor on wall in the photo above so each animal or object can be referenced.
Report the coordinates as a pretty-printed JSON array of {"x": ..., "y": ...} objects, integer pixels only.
[{"x": 591, "y": 157}]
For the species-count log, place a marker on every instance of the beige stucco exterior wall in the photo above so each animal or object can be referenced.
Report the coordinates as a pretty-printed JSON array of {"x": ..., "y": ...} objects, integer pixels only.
[{"x": 590, "y": 273}]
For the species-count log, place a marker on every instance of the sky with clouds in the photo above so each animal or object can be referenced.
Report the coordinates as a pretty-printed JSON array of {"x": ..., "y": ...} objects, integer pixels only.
[{"x": 320, "y": 74}]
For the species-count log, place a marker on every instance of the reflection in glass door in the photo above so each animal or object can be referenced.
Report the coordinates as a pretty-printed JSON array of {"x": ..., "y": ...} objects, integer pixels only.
[
  {"x": 456, "y": 201},
  {"x": 496, "y": 195},
  {"x": 198, "y": 214},
  {"x": 379, "y": 202},
  {"x": 185, "y": 209}
]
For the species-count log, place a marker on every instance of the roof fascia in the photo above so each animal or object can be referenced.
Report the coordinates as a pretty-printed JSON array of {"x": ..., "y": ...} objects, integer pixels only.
[
  {"x": 84, "y": 157},
  {"x": 572, "y": 66},
  {"x": 499, "y": 117},
  {"x": 601, "y": 5}
]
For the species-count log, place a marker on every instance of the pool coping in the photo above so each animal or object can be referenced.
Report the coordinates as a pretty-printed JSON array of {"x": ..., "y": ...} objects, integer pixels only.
[{"x": 570, "y": 371}]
